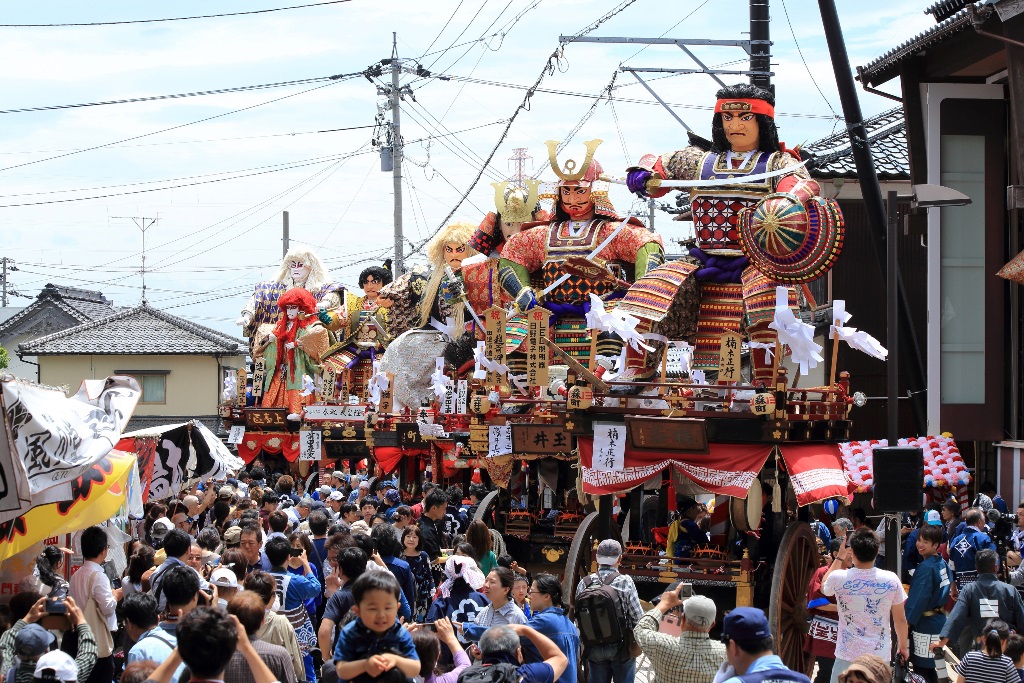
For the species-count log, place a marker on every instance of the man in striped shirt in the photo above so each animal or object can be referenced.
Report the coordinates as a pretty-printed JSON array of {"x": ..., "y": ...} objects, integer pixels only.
[{"x": 31, "y": 641}]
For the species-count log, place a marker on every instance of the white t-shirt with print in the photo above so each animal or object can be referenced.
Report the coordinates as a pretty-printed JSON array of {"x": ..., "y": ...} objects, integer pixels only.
[{"x": 865, "y": 598}]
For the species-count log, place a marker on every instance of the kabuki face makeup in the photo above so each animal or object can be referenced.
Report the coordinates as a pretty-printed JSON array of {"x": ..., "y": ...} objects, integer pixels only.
[
  {"x": 454, "y": 255},
  {"x": 577, "y": 202},
  {"x": 299, "y": 271}
]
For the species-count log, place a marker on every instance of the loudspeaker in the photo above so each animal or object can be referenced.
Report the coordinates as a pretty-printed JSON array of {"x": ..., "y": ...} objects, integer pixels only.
[{"x": 899, "y": 477}]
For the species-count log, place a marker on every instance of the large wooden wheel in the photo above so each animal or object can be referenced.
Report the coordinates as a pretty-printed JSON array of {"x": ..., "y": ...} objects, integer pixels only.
[
  {"x": 795, "y": 564},
  {"x": 578, "y": 563},
  {"x": 485, "y": 506}
]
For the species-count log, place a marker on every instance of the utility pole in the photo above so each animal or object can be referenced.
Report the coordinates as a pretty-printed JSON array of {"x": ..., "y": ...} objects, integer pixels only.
[
  {"x": 396, "y": 145},
  {"x": 907, "y": 344},
  {"x": 8, "y": 266},
  {"x": 141, "y": 224},
  {"x": 284, "y": 234},
  {"x": 760, "y": 45}
]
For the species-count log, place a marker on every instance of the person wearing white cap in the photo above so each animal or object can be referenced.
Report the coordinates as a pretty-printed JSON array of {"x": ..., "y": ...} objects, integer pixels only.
[
  {"x": 56, "y": 667},
  {"x": 608, "y": 662},
  {"x": 690, "y": 657},
  {"x": 227, "y": 585}
]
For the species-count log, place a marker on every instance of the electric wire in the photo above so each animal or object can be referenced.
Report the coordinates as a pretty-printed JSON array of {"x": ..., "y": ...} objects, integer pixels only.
[
  {"x": 806, "y": 67},
  {"x": 153, "y": 21},
  {"x": 177, "y": 96},
  {"x": 183, "y": 125},
  {"x": 192, "y": 142},
  {"x": 549, "y": 68}
]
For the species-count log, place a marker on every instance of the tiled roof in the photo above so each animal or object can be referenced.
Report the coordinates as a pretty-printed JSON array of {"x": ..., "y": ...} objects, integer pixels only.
[
  {"x": 81, "y": 305},
  {"x": 944, "y": 9},
  {"x": 142, "y": 330},
  {"x": 888, "y": 137},
  {"x": 885, "y": 68}
]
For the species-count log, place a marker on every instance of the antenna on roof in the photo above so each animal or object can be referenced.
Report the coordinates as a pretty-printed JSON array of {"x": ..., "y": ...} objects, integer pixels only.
[{"x": 141, "y": 224}]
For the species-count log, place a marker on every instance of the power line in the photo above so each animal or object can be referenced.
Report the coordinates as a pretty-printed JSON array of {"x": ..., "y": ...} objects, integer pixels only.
[
  {"x": 549, "y": 68},
  {"x": 153, "y": 21},
  {"x": 192, "y": 142},
  {"x": 183, "y": 125},
  {"x": 572, "y": 93},
  {"x": 166, "y": 187},
  {"x": 132, "y": 100},
  {"x": 807, "y": 68}
]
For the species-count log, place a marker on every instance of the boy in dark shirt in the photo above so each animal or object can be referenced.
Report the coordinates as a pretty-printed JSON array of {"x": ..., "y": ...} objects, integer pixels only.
[{"x": 375, "y": 646}]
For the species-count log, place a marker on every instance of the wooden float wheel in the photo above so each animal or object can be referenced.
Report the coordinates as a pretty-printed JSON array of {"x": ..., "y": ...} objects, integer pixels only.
[
  {"x": 579, "y": 561},
  {"x": 796, "y": 562},
  {"x": 485, "y": 507}
]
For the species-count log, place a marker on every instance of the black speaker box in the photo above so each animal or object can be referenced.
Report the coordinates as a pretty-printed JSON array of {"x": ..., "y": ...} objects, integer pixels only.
[{"x": 899, "y": 477}]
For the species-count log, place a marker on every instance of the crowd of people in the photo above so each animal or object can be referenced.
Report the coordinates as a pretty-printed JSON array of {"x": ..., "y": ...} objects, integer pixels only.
[
  {"x": 956, "y": 593},
  {"x": 253, "y": 580}
]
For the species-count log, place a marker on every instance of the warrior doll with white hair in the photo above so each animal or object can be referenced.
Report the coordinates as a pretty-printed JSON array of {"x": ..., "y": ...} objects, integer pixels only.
[{"x": 300, "y": 267}]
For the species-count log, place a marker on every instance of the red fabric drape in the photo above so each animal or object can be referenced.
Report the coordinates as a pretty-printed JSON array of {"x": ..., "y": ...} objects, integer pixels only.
[
  {"x": 816, "y": 472},
  {"x": 253, "y": 443},
  {"x": 727, "y": 469}
]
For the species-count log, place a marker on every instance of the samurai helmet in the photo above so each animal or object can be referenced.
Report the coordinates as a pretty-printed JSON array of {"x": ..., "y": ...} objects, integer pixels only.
[
  {"x": 573, "y": 173},
  {"x": 514, "y": 203}
]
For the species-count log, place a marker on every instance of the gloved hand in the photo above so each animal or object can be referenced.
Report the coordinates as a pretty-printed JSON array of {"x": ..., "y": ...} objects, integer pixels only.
[
  {"x": 636, "y": 181},
  {"x": 526, "y": 299}
]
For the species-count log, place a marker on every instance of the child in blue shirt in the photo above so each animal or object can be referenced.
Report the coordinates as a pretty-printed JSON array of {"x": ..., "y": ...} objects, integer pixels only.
[{"x": 375, "y": 646}]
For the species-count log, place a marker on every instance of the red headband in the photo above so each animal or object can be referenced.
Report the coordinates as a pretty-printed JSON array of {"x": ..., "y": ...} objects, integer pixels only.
[{"x": 744, "y": 106}]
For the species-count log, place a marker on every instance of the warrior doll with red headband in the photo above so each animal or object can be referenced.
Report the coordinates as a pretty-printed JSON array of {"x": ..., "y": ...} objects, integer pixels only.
[
  {"x": 282, "y": 386},
  {"x": 758, "y": 223}
]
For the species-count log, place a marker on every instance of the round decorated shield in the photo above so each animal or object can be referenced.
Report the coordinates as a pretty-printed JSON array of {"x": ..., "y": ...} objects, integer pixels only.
[{"x": 789, "y": 241}]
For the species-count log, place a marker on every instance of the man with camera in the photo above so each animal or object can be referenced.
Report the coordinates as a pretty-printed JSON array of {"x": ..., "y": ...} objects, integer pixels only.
[
  {"x": 32, "y": 640},
  {"x": 690, "y": 657}
]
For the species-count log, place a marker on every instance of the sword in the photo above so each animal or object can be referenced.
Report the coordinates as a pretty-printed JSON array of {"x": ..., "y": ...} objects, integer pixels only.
[{"x": 654, "y": 183}]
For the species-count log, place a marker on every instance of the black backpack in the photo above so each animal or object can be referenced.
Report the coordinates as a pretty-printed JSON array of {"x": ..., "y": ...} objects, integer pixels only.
[
  {"x": 598, "y": 612},
  {"x": 491, "y": 673}
]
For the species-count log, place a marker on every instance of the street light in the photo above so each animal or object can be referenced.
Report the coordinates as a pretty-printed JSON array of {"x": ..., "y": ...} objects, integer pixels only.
[{"x": 922, "y": 197}]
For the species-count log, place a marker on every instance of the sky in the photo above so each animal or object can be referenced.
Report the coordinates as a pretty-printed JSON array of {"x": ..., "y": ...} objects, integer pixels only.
[{"x": 217, "y": 171}]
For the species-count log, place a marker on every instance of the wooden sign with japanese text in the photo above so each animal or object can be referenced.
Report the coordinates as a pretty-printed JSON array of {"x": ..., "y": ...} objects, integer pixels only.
[
  {"x": 729, "y": 357},
  {"x": 310, "y": 444},
  {"x": 387, "y": 396},
  {"x": 762, "y": 404},
  {"x": 495, "y": 320},
  {"x": 236, "y": 434},
  {"x": 409, "y": 435},
  {"x": 328, "y": 384},
  {"x": 259, "y": 374},
  {"x": 346, "y": 389},
  {"x": 683, "y": 435},
  {"x": 537, "y": 352},
  {"x": 540, "y": 439},
  {"x": 266, "y": 419},
  {"x": 462, "y": 396},
  {"x": 609, "y": 447},
  {"x": 242, "y": 376}
]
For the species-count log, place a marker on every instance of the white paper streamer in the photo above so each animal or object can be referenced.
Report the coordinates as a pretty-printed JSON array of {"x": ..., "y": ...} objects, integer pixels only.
[
  {"x": 860, "y": 340},
  {"x": 798, "y": 335}
]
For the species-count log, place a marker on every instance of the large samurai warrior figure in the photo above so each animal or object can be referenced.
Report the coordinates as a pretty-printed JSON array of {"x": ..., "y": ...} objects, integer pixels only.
[
  {"x": 759, "y": 223},
  {"x": 585, "y": 229}
]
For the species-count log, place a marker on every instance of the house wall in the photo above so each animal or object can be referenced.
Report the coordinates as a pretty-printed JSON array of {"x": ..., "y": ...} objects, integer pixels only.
[
  {"x": 193, "y": 382},
  {"x": 16, "y": 366}
]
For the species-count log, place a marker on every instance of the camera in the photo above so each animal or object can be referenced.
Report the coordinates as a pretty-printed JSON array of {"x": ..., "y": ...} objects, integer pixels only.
[
  {"x": 1003, "y": 524},
  {"x": 296, "y": 552},
  {"x": 55, "y": 601}
]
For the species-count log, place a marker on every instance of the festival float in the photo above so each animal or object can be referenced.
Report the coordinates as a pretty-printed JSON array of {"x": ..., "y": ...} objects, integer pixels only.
[{"x": 560, "y": 356}]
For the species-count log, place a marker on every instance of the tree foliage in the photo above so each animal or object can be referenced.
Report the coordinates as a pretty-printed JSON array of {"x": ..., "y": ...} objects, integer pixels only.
[{"x": 4, "y": 358}]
